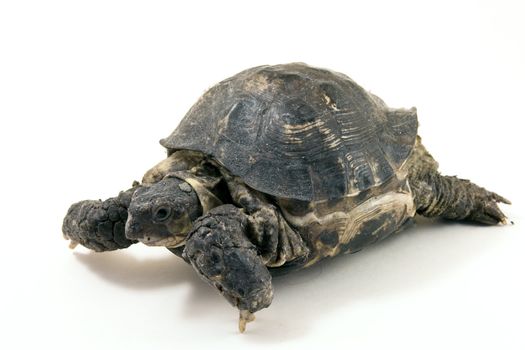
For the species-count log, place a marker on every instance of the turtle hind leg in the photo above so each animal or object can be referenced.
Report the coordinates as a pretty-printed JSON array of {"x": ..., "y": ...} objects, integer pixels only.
[
  {"x": 449, "y": 197},
  {"x": 457, "y": 199}
]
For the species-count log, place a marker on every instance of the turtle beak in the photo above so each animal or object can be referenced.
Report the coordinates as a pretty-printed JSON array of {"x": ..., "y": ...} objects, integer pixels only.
[
  {"x": 133, "y": 229},
  {"x": 137, "y": 231}
]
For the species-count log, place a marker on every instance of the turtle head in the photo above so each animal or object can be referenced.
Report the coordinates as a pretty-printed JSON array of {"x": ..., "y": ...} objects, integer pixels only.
[{"x": 161, "y": 214}]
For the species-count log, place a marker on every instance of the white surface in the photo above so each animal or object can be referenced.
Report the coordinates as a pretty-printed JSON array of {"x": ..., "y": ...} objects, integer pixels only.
[{"x": 87, "y": 89}]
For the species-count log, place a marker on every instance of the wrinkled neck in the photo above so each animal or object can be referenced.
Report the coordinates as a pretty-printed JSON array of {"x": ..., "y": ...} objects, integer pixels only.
[{"x": 208, "y": 200}]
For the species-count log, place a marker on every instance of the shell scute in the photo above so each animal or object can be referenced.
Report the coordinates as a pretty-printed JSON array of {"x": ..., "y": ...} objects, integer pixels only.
[{"x": 298, "y": 132}]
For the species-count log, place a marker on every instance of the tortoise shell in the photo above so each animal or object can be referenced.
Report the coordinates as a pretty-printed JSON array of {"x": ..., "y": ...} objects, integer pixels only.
[{"x": 300, "y": 132}]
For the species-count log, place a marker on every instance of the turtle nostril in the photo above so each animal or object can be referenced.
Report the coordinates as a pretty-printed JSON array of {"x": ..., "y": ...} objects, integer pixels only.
[{"x": 148, "y": 238}]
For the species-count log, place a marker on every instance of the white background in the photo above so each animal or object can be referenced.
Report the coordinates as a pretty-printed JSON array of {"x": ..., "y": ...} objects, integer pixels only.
[{"x": 87, "y": 88}]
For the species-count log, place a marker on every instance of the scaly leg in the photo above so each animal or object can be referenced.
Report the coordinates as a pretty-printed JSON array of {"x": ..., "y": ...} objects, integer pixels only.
[
  {"x": 220, "y": 252},
  {"x": 99, "y": 225},
  {"x": 277, "y": 242},
  {"x": 449, "y": 197}
]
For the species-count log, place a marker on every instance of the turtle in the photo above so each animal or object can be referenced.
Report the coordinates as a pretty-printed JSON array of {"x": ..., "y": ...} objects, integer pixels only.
[{"x": 275, "y": 169}]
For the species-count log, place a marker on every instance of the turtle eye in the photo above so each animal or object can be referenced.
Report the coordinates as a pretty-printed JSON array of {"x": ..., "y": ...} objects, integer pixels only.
[{"x": 162, "y": 214}]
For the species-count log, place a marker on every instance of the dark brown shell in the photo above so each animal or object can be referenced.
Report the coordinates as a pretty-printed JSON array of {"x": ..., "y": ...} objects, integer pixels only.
[{"x": 298, "y": 132}]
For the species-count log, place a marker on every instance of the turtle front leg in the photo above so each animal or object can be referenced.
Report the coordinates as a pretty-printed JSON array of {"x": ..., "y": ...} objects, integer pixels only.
[
  {"x": 99, "y": 225},
  {"x": 220, "y": 252}
]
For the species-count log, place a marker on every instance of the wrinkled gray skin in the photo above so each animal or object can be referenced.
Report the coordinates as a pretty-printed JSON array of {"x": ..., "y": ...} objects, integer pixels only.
[
  {"x": 236, "y": 234},
  {"x": 157, "y": 211}
]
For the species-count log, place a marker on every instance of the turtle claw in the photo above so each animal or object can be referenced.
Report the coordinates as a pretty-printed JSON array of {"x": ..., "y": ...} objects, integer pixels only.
[
  {"x": 73, "y": 244},
  {"x": 488, "y": 211},
  {"x": 499, "y": 199},
  {"x": 245, "y": 316}
]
